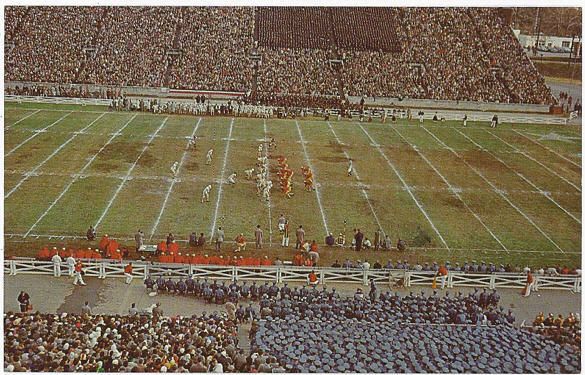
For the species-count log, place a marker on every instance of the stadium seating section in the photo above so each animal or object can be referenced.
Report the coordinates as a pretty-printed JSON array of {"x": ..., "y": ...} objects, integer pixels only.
[{"x": 427, "y": 53}]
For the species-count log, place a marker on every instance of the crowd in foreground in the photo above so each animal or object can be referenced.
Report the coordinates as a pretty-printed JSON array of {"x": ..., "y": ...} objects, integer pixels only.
[
  {"x": 386, "y": 332},
  {"x": 114, "y": 343},
  {"x": 319, "y": 52}
]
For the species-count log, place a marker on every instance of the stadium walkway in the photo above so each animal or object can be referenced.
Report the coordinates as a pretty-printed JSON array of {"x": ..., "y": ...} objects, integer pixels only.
[{"x": 113, "y": 296}]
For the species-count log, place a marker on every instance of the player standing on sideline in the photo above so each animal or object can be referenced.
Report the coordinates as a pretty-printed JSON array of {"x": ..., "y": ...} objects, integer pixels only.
[
  {"x": 421, "y": 117},
  {"x": 465, "y": 120},
  {"x": 350, "y": 168},
  {"x": 209, "y": 156},
  {"x": 259, "y": 235},
  {"x": 494, "y": 122},
  {"x": 284, "y": 232},
  {"x": 174, "y": 168},
  {"x": 205, "y": 195}
]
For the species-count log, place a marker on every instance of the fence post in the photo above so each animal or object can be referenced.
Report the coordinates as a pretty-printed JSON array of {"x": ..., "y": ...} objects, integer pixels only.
[
  {"x": 278, "y": 275},
  {"x": 365, "y": 278},
  {"x": 12, "y": 267},
  {"x": 492, "y": 281},
  {"x": 407, "y": 279},
  {"x": 321, "y": 277},
  {"x": 146, "y": 271},
  {"x": 102, "y": 270},
  {"x": 234, "y": 273},
  {"x": 449, "y": 280},
  {"x": 577, "y": 285},
  {"x": 535, "y": 286}
]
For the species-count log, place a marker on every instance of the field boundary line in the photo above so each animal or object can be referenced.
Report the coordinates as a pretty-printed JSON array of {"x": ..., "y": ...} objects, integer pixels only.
[
  {"x": 37, "y": 132},
  {"x": 527, "y": 155},
  {"x": 542, "y": 192},
  {"x": 174, "y": 180},
  {"x": 496, "y": 190},
  {"x": 222, "y": 173},
  {"x": 22, "y": 119},
  {"x": 267, "y": 166},
  {"x": 111, "y": 201},
  {"x": 364, "y": 192},
  {"x": 30, "y": 173},
  {"x": 317, "y": 192},
  {"x": 66, "y": 189},
  {"x": 452, "y": 189},
  {"x": 397, "y": 173},
  {"x": 546, "y": 148},
  {"x": 10, "y": 235}
]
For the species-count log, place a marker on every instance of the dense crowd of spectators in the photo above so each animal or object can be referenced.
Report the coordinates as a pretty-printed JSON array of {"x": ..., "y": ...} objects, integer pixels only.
[
  {"x": 132, "y": 45},
  {"x": 215, "y": 43},
  {"x": 562, "y": 330},
  {"x": 386, "y": 332},
  {"x": 49, "y": 42},
  {"x": 430, "y": 53},
  {"x": 114, "y": 343}
]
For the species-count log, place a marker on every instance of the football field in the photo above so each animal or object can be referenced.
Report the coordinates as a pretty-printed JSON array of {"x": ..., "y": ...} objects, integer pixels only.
[{"x": 511, "y": 194}]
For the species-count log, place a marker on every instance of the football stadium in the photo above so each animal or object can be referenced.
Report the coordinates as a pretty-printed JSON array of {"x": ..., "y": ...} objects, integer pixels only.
[{"x": 292, "y": 189}]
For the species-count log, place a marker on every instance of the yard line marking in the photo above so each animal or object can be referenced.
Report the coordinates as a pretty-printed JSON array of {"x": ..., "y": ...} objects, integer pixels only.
[
  {"x": 30, "y": 173},
  {"x": 534, "y": 160},
  {"x": 66, "y": 189},
  {"x": 222, "y": 173},
  {"x": 547, "y": 195},
  {"x": 129, "y": 173},
  {"x": 267, "y": 166},
  {"x": 357, "y": 185},
  {"x": 418, "y": 204},
  {"x": 364, "y": 192},
  {"x": 173, "y": 181},
  {"x": 547, "y": 148},
  {"x": 37, "y": 132},
  {"x": 452, "y": 189},
  {"x": 498, "y": 191},
  {"x": 318, "y": 193},
  {"x": 22, "y": 119}
]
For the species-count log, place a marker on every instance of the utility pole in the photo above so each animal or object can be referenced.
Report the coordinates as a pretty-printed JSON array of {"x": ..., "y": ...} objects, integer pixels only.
[{"x": 537, "y": 28}]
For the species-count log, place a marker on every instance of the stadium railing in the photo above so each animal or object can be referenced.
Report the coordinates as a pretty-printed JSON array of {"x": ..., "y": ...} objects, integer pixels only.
[
  {"x": 56, "y": 100},
  {"x": 282, "y": 274}
]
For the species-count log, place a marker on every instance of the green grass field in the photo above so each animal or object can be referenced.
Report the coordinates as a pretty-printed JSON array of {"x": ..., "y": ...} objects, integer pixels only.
[{"x": 507, "y": 195}]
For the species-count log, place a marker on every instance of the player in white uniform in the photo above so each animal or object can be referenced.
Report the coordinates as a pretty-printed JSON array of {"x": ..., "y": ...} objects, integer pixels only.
[
  {"x": 350, "y": 168},
  {"x": 193, "y": 142},
  {"x": 249, "y": 173},
  {"x": 209, "y": 156},
  {"x": 205, "y": 195},
  {"x": 232, "y": 178},
  {"x": 174, "y": 168}
]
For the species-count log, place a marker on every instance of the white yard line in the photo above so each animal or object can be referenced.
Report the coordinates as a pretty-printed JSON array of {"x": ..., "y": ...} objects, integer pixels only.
[
  {"x": 407, "y": 188},
  {"x": 173, "y": 181},
  {"x": 37, "y": 132},
  {"x": 525, "y": 154},
  {"x": 30, "y": 173},
  {"x": 111, "y": 201},
  {"x": 66, "y": 189},
  {"x": 452, "y": 189},
  {"x": 22, "y": 119},
  {"x": 364, "y": 192},
  {"x": 317, "y": 192},
  {"x": 546, "y": 194},
  {"x": 547, "y": 148},
  {"x": 267, "y": 166},
  {"x": 356, "y": 185},
  {"x": 496, "y": 190},
  {"x": 222, "y": 173}
]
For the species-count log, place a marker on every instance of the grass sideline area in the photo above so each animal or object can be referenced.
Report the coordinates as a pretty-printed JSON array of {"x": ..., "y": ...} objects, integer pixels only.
[{"x": 509, "y": 195}]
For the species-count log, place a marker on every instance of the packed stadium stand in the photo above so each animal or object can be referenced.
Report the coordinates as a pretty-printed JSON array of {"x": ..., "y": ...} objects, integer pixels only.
[{"x": 465, "y": 54}]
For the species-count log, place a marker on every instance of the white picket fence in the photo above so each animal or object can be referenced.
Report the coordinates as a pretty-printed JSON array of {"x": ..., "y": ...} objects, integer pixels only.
[{"x": 282, "y": 274}]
